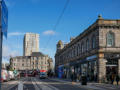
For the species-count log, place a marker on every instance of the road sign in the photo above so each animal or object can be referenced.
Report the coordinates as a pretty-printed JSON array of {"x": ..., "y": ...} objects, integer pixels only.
[{"x": 4, "y": 18}]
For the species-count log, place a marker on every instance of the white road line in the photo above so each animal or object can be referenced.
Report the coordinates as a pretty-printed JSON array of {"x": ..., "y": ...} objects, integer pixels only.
[
  {"x": 46, "y": 86},
  {"x": 20, "y": 86},
  {"x": 34, "y": 83}
]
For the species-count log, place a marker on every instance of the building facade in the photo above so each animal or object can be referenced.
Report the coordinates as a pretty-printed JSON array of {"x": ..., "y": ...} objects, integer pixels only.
[
  {"x": 94, "y": 53},
  {"x": 30, "y": 44},
  {"x": 37, "y": 61}
]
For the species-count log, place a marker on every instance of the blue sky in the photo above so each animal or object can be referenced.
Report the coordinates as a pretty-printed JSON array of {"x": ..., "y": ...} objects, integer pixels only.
[{"x": 40, "y": 16}]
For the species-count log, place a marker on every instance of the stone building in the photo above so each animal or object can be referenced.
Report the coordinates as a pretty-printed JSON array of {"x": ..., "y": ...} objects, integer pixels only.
[
  {"x": 37, "y": 61},
  {"x": 94, "y": 53},
  {"x": 30, "y": 44}
]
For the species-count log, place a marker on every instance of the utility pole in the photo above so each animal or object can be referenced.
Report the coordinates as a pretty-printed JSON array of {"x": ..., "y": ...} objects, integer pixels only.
[
  {"x": 0, "y": 46},
  {"x": 3, "y": 29}
]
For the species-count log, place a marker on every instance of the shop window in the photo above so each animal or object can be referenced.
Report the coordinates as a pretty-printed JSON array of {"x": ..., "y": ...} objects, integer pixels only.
[{"x": 110, "y": 39}]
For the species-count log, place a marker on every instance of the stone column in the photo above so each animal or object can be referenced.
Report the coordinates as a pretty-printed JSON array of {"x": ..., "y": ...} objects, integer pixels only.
[
  {"x": 101, "y": 70},
  {"x": 119, "y": 67}
]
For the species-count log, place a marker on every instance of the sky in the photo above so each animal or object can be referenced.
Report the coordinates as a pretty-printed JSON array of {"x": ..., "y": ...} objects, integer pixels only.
[{"x": 40, "y": 16}]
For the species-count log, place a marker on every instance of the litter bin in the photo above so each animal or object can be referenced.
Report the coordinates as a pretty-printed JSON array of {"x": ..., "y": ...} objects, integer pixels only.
[{"x": 83, "y": 80}]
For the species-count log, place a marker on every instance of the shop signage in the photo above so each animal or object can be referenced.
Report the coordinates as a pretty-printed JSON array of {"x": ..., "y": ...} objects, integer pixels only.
[{"x": 112, "y": 56}]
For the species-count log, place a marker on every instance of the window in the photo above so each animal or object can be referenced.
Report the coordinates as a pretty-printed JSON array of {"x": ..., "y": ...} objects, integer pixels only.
[
  {"x": 87, "y": 44},
  {"x": 82, "y": 47},
  {"x": 110, "y": 39},
  {"x": 78, "y": 50},
  {"x": 93, "y": 41}
]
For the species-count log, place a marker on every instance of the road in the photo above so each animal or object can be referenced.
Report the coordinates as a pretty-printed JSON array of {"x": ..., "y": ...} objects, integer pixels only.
[{"x": 34, "y": 83}]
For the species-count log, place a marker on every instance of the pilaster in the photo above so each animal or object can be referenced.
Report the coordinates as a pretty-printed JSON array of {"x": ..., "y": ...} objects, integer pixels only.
[
  {"x": 101, "y": 70},
  {"x": 119, "y": 67}
]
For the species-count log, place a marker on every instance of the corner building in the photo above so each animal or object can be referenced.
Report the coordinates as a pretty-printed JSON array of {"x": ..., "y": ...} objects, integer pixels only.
[{"x": 94, "y": 53}]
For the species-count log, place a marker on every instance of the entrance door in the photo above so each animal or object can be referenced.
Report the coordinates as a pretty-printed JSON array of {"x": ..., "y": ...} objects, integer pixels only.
[{"x": 111, "y": 68}]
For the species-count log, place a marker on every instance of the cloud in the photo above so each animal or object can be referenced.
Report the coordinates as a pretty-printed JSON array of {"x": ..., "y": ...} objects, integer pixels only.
[
  {"x": 49, "y": 32},
  {"x": 15, "y": 34},
  {"x": 8, "y": 52}
]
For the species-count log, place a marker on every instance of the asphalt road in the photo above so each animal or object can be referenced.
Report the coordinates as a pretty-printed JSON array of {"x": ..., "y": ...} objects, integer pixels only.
[
  {"x": 61, "y": 85},
  {"x": 34, "y": 83}
]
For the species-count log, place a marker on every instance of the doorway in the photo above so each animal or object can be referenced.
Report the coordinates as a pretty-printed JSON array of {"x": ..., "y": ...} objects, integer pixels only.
[{"x": 111, "y": 68}]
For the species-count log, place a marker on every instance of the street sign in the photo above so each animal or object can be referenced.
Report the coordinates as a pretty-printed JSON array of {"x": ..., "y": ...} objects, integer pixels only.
[{"x": 4, "y": 18}]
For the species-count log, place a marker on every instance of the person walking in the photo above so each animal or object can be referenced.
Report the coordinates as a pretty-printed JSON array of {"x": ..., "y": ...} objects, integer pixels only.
[
  {"x": 112, "y": 78},
  {"x": 117, "y": 79}
]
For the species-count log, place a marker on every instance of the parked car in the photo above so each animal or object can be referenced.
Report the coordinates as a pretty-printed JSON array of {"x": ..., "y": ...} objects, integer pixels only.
[{"x": 43, "y": 75}]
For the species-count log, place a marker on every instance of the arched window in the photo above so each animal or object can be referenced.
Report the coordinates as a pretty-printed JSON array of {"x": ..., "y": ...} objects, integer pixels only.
[
  {"x": 93, "y": 41},
  {"x": 87, "y": 44},
  {"x": 110, "y": 39}
]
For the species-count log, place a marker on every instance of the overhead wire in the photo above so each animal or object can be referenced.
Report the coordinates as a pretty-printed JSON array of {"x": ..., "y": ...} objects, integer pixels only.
[{"x": 58, "y": 21}]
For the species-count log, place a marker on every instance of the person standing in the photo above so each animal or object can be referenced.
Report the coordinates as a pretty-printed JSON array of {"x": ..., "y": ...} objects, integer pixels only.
[{"x": 72, "y": 77}]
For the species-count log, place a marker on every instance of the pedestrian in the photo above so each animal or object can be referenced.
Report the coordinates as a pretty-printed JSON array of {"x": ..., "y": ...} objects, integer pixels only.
[
  {"x": 117, "y": 79},
  {"x": 75, "y": 77},
  {"x": 72, "y": 77},
  {"x": 112, "y": 78}
]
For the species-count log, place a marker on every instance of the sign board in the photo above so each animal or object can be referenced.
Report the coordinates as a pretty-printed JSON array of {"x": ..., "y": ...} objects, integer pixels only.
[{"x": 4, "y": 18}]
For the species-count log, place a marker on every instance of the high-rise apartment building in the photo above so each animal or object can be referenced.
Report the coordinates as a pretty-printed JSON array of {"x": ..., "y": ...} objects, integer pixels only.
[{"x": 30, "y": 44}]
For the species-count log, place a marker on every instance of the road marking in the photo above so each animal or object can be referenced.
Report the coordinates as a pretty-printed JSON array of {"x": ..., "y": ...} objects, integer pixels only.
[
  {"x": 45, "y": 86},
  {"x": 20, "y": 86},
  {"x": 35, "y": 85}
]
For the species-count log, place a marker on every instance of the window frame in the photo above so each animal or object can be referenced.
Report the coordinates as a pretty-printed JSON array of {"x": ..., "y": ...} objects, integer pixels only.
[{"x": 113, "y": 38}]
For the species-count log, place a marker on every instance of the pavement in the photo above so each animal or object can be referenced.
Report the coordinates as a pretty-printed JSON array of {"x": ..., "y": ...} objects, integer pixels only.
[{"x": 90, "y": 85}]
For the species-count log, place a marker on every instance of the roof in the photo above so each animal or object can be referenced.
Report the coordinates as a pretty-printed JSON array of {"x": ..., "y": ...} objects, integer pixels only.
[{"x": 37, "y": 54}]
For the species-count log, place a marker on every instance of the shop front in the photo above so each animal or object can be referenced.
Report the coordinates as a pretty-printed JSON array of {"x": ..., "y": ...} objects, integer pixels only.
[
  {"x": 112, "y": 66},
  {"x": 92, "y": 68}
]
